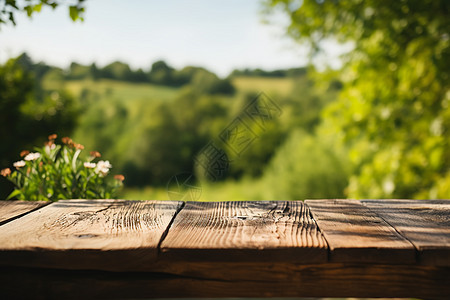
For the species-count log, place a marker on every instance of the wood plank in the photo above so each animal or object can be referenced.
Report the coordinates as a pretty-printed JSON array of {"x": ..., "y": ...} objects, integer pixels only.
[
  {"x": 10, "y": 210},
  {"x": 218, "y": 279},
  {"x": 425, "y": 223},
  {"x": 92, "y": 234},
  {"x": 245, "y": 231},
  {"x": 356, "y": 234}
]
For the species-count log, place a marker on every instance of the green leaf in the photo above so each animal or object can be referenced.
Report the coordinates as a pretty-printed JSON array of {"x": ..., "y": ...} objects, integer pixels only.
[
  {"x": 11, "y": 18},
  {"x": 91, "y": 195},
  {"x": 12, "y": 3},
  {"x": 73, "y": 11},
  {"x": 14, "y": 194},
  {"x": 68, "y": 182},
  {"x": 29, "y": 10},
  {"x": 37, "y": 7},
  {"x": 74, "y": 160}
]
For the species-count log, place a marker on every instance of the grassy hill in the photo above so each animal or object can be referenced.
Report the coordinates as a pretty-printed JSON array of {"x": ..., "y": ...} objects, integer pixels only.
[
  {"x": 269, "y": 85},
  {"x": 107, "y": 89},
  {"x": 126, "y": 91}
]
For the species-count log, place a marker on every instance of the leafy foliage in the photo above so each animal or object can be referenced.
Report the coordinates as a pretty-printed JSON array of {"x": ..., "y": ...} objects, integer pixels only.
[
  {"x": 28, "y": 112},
  {"x": 174, "y": 133},
  {"x": 305, "y": 167},
  {"x": 393, "y": 111},
  {"x": 10, "y": 8}
]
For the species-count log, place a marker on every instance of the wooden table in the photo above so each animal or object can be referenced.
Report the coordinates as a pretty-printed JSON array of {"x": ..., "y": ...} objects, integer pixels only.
[{"x": 316, "y": 248}]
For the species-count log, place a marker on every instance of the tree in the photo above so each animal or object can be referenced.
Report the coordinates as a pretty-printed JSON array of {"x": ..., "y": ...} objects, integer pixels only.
[
  {"x": 138, "y": 76},
  {"x": 206, "y": 82},
  {"x": 78, "y": 71},
  {"x": 117, "y": 70},
  {"x": 161, "y": 73},
  {"x": 10, "y": 8},
  {"x": 306, "y": 167},
  {"x": 394, "y": 109},
  {"x": 94, "y": 71}
]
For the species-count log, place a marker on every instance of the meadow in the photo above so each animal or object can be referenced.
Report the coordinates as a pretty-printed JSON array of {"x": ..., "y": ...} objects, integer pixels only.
[
  {"x": 130, "y": 123},
  {"x": 136, "y": 97}
]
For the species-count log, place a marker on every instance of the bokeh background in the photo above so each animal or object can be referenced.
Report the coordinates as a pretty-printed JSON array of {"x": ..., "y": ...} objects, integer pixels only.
[{"x": 362, "y": 88}]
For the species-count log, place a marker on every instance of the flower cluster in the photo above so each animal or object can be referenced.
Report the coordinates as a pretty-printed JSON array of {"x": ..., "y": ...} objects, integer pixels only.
[{"x": 56, "y": 172}]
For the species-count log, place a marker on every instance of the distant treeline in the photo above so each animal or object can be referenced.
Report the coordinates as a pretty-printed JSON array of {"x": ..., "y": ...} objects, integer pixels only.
[
  {"x": 160, "y": 73},
  {"x": 292, "y": 72},
  {"x": 163, "y": 74}
]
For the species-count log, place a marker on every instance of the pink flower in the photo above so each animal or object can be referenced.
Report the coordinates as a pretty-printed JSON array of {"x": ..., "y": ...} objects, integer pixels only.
[
  {"x": 119, "y": 177},
  {"x": 5, "y": 172}
]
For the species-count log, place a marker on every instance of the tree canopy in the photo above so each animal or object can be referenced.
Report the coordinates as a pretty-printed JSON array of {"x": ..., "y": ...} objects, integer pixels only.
[
  {"x": 10, "y": 8},
  {"x": 393, "y": 112}
]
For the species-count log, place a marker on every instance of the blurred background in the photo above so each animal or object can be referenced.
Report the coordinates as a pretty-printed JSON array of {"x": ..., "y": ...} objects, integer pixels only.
[{"x": 362, "y": 89}]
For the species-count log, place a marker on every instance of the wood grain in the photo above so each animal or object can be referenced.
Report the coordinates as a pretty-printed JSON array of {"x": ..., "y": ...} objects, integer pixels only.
[
  {"x": 247, "y": 231},
  {"x": 77, "y": 234},
  {"x": 426, "y": 224},
  {"x": 356, "y": 234},
  {"x": 14, "y": 209},
  {"x": 109, "y": 249},
  {"x": 221, "y": 279}
]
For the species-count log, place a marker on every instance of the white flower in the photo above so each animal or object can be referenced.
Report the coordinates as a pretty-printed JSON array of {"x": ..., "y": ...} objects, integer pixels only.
[
  {"x": 104, "y": 164},
  {"x": 49, "y": 148},
  {"x": 89, "y": 165},
  {"x": 32, "y": 156},
  {"x": 19, "y": 164},
  {"x": 103, "y": 167}
]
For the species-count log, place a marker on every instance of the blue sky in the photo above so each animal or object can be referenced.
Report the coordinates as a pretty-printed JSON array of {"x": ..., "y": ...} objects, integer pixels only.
[{"x": 218, "y": 35}]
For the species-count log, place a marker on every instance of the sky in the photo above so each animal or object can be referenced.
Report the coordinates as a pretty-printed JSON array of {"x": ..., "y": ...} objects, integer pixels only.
[{"x": 218, "y": 35}]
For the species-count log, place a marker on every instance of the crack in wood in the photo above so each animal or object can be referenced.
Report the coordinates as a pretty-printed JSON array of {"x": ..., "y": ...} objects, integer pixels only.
[
  {"x": 166, "y": 231},
  {"x": 393, "y": 227},
  {"x": 12, "y": 213}
]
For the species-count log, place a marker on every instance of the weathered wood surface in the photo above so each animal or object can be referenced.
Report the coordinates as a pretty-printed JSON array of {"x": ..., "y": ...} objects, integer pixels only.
[
  {"x": 14, "y": 209},
  {"x": 248, "y": 231},
  {"x": 426, "y": 224},
  {"x": 133, "y": 249},
  {"x": 93, "y": 234},
  {"x": 356, "y": 234}
]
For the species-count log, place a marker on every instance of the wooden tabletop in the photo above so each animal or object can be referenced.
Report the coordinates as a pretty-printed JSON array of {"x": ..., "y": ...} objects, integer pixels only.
[{"x": 316, "y": 248}]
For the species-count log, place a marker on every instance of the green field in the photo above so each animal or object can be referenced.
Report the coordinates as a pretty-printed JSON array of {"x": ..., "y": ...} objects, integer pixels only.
[
  {"x": 128, "y": 91},
  {"x": 223, "y": 191},
  {"x": 122, "y": 90},
  {"x": 270, "y": 85}
]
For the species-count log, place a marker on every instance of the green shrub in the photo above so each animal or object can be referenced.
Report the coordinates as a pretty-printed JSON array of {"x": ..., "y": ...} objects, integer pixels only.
[
  {"x": 55, "y": 172},
  {"x": 306, "y": 167}
]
